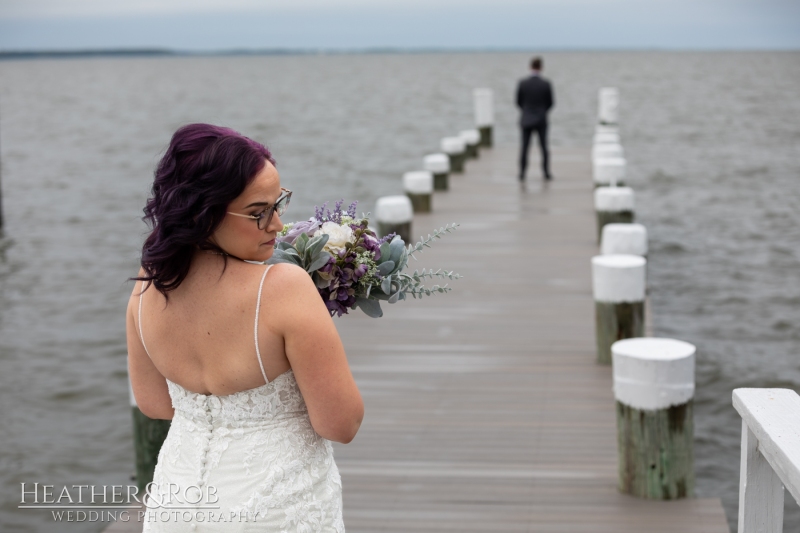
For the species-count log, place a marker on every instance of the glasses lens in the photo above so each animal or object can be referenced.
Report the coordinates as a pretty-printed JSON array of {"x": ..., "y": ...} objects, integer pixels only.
[
  {"x": 282, "y": 204},
  {"x": 280, "y": 207},
  {"x": 263, "y": 221}
]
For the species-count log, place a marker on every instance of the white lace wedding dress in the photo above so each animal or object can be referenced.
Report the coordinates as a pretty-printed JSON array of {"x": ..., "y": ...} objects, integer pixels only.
[{"x": 255, "y": 452}]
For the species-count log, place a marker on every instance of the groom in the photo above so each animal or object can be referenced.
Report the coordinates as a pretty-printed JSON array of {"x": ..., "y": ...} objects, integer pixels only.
[{"x": 534, "y": 98}]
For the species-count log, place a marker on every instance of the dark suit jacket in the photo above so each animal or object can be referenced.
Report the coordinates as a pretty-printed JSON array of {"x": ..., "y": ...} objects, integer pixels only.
[{"x": 534, "y": 98}]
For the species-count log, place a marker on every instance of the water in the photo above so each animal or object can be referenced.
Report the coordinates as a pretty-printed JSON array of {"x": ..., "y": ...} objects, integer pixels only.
[{"x": 712, "y": 141}]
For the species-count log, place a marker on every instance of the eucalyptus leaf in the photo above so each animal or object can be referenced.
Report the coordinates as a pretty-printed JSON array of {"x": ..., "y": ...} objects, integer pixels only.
[
  {"x": 370, "y": 307},
  {"x": 384, "y": 269},
  {"x": 385, "y": 253},
  {"x": 386, "y": 285},
  {"x": 320, "y": 261},
  {"x": 396, "y": 248},
  {"x": 394, "y": 297},
  {"x": 316, "y": 244},
  {"x": 301, "y": 242},
  {"x": 283, "y": 256}
]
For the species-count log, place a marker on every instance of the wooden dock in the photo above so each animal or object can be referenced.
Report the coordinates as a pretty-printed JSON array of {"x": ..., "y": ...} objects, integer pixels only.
[{"x": 485, "y": 410}]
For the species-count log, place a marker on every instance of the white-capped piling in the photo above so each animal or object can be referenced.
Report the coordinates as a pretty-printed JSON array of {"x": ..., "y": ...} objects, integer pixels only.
[
  {"x": 394, "y": 215},
  {"x": 454, "y": 147},
  {"x": 627, "y": 239},
  {"x": 472, "y": 139},
  {"x": 484, "y": 114},
  {"x": 419, "y": 189},
  {"x": 148, "y": 436},
  {"x": 613, "y": 204},
  {"x": 608, "y": 171},
  {"x": 606, "y": 137},
  {"x": 439, "y": 166},
  {"x": 618, "y": 283},
  {"x": 606, "y": 128},
  {"x": 608, "y": 105},
  {"x": 606, "y": 150},
  {"x": 654, "y": 390}
]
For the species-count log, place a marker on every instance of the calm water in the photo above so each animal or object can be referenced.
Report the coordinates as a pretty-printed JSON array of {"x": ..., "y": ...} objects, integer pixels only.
[{"x": 712, "y": 140}]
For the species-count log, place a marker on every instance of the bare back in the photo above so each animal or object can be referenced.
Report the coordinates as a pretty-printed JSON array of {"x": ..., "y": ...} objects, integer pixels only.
[{"x": 207, "y": 338}]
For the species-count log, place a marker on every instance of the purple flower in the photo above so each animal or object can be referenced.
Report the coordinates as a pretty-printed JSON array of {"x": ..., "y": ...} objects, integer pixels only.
[
  {"x": 360, "y": 271},
  {"x": 309, "y": 226}
]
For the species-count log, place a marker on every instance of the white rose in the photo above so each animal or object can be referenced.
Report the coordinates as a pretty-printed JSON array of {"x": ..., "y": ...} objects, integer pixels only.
[{"x": 338, "y": 236}]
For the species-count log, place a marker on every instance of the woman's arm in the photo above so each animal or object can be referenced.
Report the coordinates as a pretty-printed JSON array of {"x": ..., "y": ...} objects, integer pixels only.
[
  {"x": 149, "y": 386},
  {"x": 315, "y": 353}
]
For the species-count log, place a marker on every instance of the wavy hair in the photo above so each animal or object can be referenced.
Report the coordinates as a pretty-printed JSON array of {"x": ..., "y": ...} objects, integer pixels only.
[{"x": 203, "y": 170}]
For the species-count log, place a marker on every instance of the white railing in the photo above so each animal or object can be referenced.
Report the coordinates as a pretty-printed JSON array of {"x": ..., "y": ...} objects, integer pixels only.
[{"x": 770, "y": 456}]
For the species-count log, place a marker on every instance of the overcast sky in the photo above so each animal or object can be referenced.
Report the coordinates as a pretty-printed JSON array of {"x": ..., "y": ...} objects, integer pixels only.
[{"x": 347, "y": 24}]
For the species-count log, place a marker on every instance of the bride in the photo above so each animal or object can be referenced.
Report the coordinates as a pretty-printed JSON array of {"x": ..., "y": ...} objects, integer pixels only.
[{"x": 244, "y": 358}]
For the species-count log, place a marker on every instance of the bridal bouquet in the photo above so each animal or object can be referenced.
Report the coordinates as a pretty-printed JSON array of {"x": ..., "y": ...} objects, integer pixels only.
[{"x": 351, "y": 266}]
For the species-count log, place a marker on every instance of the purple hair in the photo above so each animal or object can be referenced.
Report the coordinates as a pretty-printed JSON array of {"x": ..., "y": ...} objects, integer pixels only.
[{"x": 204, "y": 169}]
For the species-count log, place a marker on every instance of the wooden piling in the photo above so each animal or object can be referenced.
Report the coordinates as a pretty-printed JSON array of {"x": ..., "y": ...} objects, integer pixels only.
[
  {"x": 613, "y": 204},
  {"x": 618, "y": 283},
  {"x": 607, "y": 150},
  {"x": 608, "y": 106},
  {"x": 439, "y": 166},
  {"x": 148, "y": 437},
  {"x": 454, "y": 147},
  {"x": 628, "y": 239},
  {"x": 654, "y": 390},
  {"x": 608, "y": 171},
  {"x": 472, "y": 140},
  {"x": 418, "y": 186},
  {"x": 606, "y": 137},
  {"x": 483, "y": 100},
  {"x": 394, "y": 215}
]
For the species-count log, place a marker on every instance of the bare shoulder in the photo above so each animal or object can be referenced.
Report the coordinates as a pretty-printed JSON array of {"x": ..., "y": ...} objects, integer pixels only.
[
  {"x": 288, "y": 279},
  {"x": 290, "y": 289}
]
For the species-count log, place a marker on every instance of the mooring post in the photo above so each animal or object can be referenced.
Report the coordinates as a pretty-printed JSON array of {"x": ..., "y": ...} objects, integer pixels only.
[
  {"x": 618, "y": 283},
  {"x": 654, "y": 390},
  {"x": 419, "y": 189},
  {"x": 394, "y": 215},
  {"x": 607, "y": 150},
  {"x": 454, "y": 148},
  {"x": 439, "y": 166},
  {"x": 484, "y": 114},
  {"x": 627, "y": 239},
  {"x": 472, "y": 139},
  {"x": 148, "y": 436},
  {"x": 606, "y": 128},
  {"x": 613, "y": 204},
  {"x": 608, "y": 106},
  {"x": 608, "y": 171},
  {"x": 606, "y": 137}
]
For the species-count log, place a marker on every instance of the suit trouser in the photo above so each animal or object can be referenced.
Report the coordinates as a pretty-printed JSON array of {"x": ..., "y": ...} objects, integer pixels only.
[{"x": 541, "y": 132}]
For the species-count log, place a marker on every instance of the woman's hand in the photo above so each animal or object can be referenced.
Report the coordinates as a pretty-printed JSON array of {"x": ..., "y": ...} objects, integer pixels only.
[{"x": 315, "y": 353}]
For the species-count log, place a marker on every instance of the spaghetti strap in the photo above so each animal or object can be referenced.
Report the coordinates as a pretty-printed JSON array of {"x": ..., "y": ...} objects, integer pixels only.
[
  {"x": 141, "y": 336},
  {"x": 255, "y": 329}
]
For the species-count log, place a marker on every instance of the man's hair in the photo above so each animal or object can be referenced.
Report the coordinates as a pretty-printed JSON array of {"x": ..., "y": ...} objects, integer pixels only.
[{"x": 536, "y": 63}]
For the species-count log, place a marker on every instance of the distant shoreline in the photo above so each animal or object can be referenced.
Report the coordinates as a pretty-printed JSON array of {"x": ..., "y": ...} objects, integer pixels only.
[{"x": 165, "y": 52}]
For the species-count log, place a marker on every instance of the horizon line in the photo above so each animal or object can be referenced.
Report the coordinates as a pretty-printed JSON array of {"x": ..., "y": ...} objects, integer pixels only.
[{"x": 164, "y": 51}]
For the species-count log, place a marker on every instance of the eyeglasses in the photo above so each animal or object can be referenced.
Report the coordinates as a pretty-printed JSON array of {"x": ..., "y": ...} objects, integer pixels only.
[{"x": 263, "y": 218}]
